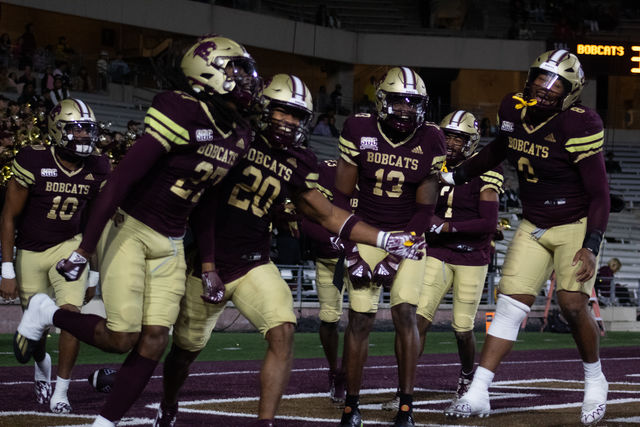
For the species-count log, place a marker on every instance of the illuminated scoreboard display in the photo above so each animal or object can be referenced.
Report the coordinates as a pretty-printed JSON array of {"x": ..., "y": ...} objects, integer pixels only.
[{"x": 622, "y": 59}]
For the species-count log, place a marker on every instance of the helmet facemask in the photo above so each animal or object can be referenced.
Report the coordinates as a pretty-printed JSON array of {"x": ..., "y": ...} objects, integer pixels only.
[
  {"x": 283, "y": 131},
  {"x": 78, "y": 137},
  {"x": 242, "y": 82},
  {"x": 402, "y": 112},
  {"x": 547, "y": 88}
]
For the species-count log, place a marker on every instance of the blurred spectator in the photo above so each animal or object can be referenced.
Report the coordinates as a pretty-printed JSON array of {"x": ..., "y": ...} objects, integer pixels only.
[
  {"x": 102, "y": 67},
  {"x": 82, "y": 82},
  {"x": 46, "y": 83},
  {"x": 26, "y": 46},
  {"x": 336, "y": 100},
  {"x": 611, "y": 165},
  {"x": 322, "y": 100},
  {"x": 12, "y": 83},
  {"x": 322, "y": 127},
  {"x": 119, "y": 70},
  {"x": 63, "y": 51},
  {"x": 29, "y": 95},
  {"x": 6, "y": 140},
  {"x": 605, "y": 277},
  {"x": 370, "y": 89},
  {"x": 334, "y": 20},
  {"x": 133, "y": 129},
  {"x": 628, "y": 113},
  {"x": 5, "y": 50},
  {"x": 7, "y": 84},
  {"x": 365, "y": 106},
  {"x": 62, "y": 70},
  {"x": 60, "y": 91},
  {"x": 27, "y": 77},
  {"x": 485, "y": 127}
]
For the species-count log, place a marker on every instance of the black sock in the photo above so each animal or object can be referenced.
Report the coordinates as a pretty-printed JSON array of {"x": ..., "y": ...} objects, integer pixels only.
[
  {"x": 352, "y": 400},
  {"x": 406, "y": 401}
]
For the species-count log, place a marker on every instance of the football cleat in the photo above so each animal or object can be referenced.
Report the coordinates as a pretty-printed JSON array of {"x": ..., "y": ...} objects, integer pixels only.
[
  {"x": 337, "y": 387},
  {"x": 35, "y": 321},
  {"x": 404, "y": 417},
  {"x": 392, "y": 405},
  {"x": 166, "y": 417},
  {"x": 594, "y": 404},
  {"x": 43, "y": 391},
  {"x": 61, "y": 406},
  {"x": 464, "y": 381},
  {"x": 102, "y": 379},
  {"x": 351, "y": 417},
  {"x": 469, "y": 406}
]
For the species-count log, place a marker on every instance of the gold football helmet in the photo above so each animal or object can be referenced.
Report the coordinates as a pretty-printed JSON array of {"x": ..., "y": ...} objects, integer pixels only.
[
  {"x": 72, "y": 126},
  {"x": 460, "y": 126},
  {"x": 218, "y": 65},
  {"x": 547, "y": 69},
  {"x": 286, "y": 93},
  {"x": 401, "y": 99}
]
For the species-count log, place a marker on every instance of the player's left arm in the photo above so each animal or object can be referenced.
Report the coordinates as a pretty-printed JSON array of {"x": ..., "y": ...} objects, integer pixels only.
[{"x": 585, "y": 150}]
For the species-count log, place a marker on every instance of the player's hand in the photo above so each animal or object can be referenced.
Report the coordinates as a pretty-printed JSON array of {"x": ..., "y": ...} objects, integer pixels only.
[
  {"x": 89, "y": 293},
  {"x": 404, "y": 244},
  {"x": 9, "y": 288},
  {"x": 385, "y": 272},
  {"x": 587, "y": 261},
  {"x": 359, "y": 271},
  {"x": 71, "y": 268},
  {"x": 212, "y": 288}
]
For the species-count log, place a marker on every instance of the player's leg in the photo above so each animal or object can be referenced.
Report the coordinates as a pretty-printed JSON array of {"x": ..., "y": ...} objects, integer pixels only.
[
  {"x": 573, "y": 298},
  {"x": 468, "y": 283},
  {"x": 527, "y": 266},
  {"x": 266, "y": 301},
  {"x": 330, "y": 299},
  {"x": 404, "y": 298},
  {"x": 191, "y": 333}
]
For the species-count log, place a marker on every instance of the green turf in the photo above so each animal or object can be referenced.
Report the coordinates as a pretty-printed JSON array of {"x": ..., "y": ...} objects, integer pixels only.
[{"x": 251, "y": 346}]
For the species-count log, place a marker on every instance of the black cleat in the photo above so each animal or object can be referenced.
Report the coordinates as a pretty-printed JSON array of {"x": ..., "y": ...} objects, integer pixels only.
[
  {"x": 166, "y": 417},
  {"x": 351, "y": 417},
  {"x": 404, "y": 418}
]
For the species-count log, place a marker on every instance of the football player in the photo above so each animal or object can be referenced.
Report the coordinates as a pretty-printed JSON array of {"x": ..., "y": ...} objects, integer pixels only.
[
  {"x": 193, "y": 136},
  {"x": 277, "y": 167},
  {"x": 555, "y": 143},
  {"x": 393, "y": 156},
  {"x": 330, "y": 282},
  {"x": 459, "y": 245},
  {"x": 46, "y": 201}
]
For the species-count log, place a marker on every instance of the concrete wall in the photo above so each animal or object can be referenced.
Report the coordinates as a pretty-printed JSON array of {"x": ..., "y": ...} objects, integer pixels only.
[{"x": 194, "y": 18}]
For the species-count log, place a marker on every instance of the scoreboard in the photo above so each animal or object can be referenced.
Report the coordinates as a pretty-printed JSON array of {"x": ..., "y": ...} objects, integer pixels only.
[{"x": 619, "y": 58}]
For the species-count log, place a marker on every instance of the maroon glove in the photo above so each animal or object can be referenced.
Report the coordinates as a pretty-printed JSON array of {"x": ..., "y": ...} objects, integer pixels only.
[
  {"x": 385, "y": 271},
  {"x": 359, "y": 271},
  {"x": 71, "y": 268},
  {"x": 212, "y": 287}
]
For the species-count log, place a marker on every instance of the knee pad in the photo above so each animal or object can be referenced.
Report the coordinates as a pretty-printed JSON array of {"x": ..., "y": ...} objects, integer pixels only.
[{"x": 509, "y": 316}]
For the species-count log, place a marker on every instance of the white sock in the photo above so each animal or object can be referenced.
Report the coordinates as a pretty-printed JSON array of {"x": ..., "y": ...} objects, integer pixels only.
[
  {"x": 592, "y": 371},
  {"x": 60, "y": 393},
  {"x": 102, "y": 422},
  {"x": 43, "y": 369},
  {"x": 481, "y": 381}
]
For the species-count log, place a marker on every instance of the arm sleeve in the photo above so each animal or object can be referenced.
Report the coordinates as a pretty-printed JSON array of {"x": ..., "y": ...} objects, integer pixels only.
[
  {"x": 487, "y": 158},
  {"x": 140, "y": 158},
  {"x": 202, "y": 221},
  {"x": 421, "y": 218},
  {"x": 487, "y": 222},
  {"x": 595, "y": 183}
]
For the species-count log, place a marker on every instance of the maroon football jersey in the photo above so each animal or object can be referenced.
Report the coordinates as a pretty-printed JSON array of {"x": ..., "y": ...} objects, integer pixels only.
[
  {"x": 57, "y": 196},
  {"x": 390, "y": 173},
  {"x": 457, "y": 204},
  {"x": 199, "y": 155},
  {"x": 546, "y": 158},
  {"x": 263, "y": 179}
]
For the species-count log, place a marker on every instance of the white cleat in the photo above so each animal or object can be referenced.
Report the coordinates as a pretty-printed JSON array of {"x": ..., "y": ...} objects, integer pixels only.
[
  {"x": 61, "y": 406},
  {"x": 35, "y": 320},
  {"x": 469, "y": 405},
  {"x": 594, "y": 404}
]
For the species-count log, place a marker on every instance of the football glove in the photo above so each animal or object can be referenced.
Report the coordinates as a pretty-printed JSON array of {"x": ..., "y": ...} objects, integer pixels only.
[
  {"x": 71, "y": 268},
  {"x": 336, "y": 243},
  {"x": 403, "y": 244},
  {"x": 359, "y": 271},
  {"x": 212, "y": 287},
  {"x": 385, "y": 272}
]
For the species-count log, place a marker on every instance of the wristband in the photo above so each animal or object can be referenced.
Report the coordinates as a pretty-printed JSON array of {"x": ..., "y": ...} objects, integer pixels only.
[
  {"x": 94, "y": 279},
  {"x": 347, "y": 226},
  {"x": 592, "y": 241},
  {"x": 381, "y": 241},
  {"x": 7, "y": 270}
]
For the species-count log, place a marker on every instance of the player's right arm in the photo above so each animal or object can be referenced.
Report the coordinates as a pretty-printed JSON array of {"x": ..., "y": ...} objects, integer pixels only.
[
  {"x": 15, "y": 201},
  {"x": 488, "y": 158}
]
